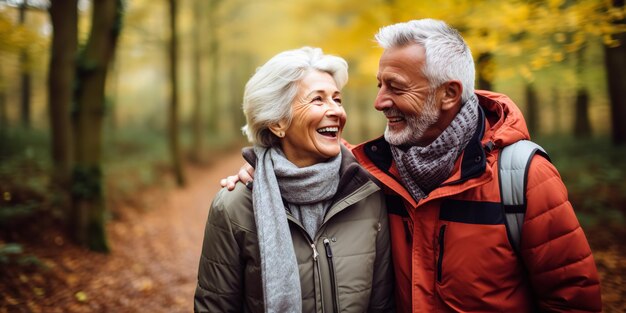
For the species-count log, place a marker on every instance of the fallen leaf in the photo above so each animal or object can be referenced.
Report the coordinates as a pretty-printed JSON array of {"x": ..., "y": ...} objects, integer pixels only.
[
  {"x": 81, "y": 296},
  {"x": 39, "y": 292}
]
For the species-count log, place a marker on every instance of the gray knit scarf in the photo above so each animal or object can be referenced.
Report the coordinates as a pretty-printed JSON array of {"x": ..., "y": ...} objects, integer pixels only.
[
  {"x": 423, "y": 169},
  {"x": 309, "y": 191}
]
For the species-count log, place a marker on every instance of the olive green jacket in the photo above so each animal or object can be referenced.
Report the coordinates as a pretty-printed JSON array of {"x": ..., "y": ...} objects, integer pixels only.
[{"x": 345, "y": 268}]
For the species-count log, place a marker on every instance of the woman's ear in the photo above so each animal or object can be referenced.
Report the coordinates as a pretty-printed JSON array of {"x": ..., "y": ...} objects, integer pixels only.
[
  {"x": 452, "y": 91},
  {"x": 279, "y": 129}
]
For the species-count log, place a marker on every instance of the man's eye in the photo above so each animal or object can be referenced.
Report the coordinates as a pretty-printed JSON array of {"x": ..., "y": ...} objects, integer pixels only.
[
  {"x": 337, "y": 100},
  {"x": 393, "y": 89}
]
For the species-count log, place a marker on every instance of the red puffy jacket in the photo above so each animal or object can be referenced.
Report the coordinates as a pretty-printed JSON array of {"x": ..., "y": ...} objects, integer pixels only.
[{"x": 450, "y": 249}]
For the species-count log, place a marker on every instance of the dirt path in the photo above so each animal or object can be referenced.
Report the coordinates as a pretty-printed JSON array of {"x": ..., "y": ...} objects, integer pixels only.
[{"x": 152, "y": 266}]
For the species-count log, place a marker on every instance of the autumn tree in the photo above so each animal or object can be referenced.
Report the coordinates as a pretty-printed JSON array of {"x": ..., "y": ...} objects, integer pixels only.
[
  {"x": 197, "y": 120},
  {"x": 173, "y": 122},
  {"x": 63, "y": 50},
  {"x": 532, "y": 103},
  {"x": 88, "y": 216},
  {"x": 214, "y": 55},
  {"x": 615, "y": 60},
  {"x": 582, "y": 123},
  {"x": 15, "y": 39},
  {"x": 4, "y": 120},
  {"x": 25, "y": 76}
]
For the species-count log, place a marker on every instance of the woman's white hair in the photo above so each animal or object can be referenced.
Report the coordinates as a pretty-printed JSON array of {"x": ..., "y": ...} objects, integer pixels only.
[
  {"x": 447, "y": 55},
  {"x": 271, "y": 90}
]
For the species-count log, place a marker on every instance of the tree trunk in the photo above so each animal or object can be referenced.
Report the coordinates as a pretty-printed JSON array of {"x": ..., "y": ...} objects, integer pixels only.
[
  {"x": 25, "y": 76},
  {"x": 64, "y": 17},
  {"x": 196, "y": 117},
  {"x": 485, "y": 68},
  {"x": 214, "y": 75},
  {"x": 582, "y": 124},
  {"x": 112, "y": 94},
  {"x": 556, "y": 111},
  {"x": 532, "y": 116},
  {"x": 4, "y": 119},
  {"x": 615, "y": 61},
  {"x": 173, "y": 111},
  {"x": 88, "y": 218}
]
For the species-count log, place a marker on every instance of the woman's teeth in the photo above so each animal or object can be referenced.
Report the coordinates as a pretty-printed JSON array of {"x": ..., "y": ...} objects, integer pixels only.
[{"x": 328, "y": 131}]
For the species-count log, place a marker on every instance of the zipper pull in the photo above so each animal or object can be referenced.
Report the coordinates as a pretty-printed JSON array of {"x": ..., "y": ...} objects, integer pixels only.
[
  {"x": 329, "y": 253},
  {"x": 315, "y": 254}
]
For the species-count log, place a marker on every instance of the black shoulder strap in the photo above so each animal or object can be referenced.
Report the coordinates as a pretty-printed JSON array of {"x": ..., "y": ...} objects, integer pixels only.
[{"x": 513, "y": 165}]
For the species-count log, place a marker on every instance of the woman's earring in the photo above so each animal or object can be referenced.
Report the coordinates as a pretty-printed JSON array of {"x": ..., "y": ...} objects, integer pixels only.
[{"x": 281, "y": 134}]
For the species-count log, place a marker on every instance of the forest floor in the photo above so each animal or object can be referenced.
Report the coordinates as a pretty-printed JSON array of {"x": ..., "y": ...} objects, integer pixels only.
[{"x": 155, "y": 250}]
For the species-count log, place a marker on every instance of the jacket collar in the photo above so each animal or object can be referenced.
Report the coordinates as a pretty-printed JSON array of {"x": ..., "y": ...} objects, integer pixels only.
[{"x": 473, "y": 161}]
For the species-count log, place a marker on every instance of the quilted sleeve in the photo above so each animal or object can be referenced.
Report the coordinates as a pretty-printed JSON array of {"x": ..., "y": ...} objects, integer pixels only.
[
  {"x": 220, "y": 273},
  {"x": 555, "y": 250}
]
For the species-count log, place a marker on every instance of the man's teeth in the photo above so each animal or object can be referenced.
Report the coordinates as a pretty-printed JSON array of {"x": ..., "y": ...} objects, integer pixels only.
[
  {"x": 328, "y": 130},
  {"x": 397, "y": 119}
]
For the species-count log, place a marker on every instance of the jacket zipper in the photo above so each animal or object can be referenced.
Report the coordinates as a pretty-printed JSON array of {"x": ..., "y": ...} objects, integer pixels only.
[
  {"x": 331, "y": 268},
  {"x": 316, "y": 254},
  {"x": 317, "y": 266},
  {"x": 442, "y": 232}
]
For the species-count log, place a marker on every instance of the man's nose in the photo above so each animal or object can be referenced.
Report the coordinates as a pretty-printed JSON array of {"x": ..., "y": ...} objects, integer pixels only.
[{"x": 382, "y": 101}]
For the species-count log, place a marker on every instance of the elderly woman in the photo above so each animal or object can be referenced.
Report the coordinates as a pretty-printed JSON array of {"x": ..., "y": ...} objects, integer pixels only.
[{"x": 311, "y": 234}]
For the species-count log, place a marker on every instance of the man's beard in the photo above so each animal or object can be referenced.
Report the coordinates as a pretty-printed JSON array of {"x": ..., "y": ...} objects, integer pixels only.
[{"x": 416, "y": 125}]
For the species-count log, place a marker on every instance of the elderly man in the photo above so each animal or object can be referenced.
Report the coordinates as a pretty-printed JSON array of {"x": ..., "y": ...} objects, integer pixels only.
[{"x": 438, "y": 163}]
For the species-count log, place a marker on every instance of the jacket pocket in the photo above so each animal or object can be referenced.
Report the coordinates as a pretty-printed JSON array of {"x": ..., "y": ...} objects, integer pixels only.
[{"x": 442, "y": 232}]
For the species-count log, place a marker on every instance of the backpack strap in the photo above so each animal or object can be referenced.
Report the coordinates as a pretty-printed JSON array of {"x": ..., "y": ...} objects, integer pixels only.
[{"x": 513, "y": 165}]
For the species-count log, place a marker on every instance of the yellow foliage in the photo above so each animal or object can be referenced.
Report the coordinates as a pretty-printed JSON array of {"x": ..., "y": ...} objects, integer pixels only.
[
  {"x": 610, "y": 41},
  {"x": 555, "y": 4},
  {"x": 536, "y": 33},
  {"x": 526, "y": 73},
  {"x": 14, "y": 37},
  {"x": 558, "y": 56},
  {"x": 559, "y": 37}
]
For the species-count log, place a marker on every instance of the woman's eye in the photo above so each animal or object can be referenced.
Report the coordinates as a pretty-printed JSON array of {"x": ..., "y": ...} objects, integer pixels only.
[
  {"x": 337, "y": 100},
  {"x": 317, "y": 99}
]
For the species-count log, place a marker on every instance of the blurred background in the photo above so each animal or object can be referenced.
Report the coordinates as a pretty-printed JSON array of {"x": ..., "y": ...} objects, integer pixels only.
[{"x": 118, "y": 118}]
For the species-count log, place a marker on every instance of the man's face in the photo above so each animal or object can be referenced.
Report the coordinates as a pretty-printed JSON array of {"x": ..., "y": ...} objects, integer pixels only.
[{"x": 405, "y": 97}]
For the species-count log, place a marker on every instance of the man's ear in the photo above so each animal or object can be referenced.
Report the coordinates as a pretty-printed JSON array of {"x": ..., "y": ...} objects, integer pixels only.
[
  {"x": 451, "y": 95},
  {"x": 279, "y": 129}
]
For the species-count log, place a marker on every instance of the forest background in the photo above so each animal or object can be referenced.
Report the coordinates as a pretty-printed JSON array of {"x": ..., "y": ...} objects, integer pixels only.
[{"x": 104, "y": 101}]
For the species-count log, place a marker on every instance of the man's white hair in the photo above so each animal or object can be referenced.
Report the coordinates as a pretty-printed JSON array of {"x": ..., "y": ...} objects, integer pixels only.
[
  {"x": 271, "y": 90},
  {"x": 447, "y": 55}
]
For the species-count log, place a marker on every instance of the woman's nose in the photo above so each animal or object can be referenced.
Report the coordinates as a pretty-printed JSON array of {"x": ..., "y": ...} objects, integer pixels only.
[{"x": 334, "y": 109}]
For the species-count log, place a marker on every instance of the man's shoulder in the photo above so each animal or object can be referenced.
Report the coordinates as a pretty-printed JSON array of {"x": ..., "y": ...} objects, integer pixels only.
[{"x": 492, "y": 95}]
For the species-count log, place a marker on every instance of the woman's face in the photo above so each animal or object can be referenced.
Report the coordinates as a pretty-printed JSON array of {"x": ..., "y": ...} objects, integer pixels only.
[{"x": 318, "y": 119}]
